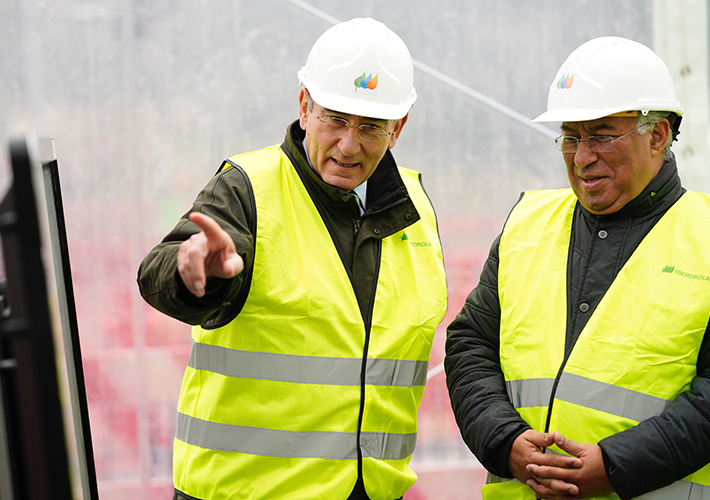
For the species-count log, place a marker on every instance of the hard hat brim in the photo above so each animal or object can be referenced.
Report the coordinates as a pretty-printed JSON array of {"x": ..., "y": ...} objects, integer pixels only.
[
  {"x": 360, "y": 107},
  {"x": 582, "y": 115}
]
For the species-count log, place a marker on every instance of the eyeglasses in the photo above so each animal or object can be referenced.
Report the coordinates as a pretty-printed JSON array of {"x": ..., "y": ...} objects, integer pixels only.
[
  {"x": 368, "y": 132},
  {"x": 597, "y": 143}
]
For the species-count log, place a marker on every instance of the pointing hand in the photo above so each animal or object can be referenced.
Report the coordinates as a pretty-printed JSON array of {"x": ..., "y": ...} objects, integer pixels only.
[{"x": 209, "y": 253}]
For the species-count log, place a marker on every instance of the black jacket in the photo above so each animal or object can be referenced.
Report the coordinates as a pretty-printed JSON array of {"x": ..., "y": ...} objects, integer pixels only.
[{"x": 656, "y": 452}]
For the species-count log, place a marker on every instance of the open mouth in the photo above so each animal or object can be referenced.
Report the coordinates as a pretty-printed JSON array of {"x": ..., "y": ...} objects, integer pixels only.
[
  {"x": 591, "y": 182},
  {"x": 345, "y": 165}
]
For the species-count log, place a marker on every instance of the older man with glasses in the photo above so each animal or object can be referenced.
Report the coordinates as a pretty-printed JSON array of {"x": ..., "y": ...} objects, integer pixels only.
[
  {"x": 314, "y": 310},
  {"x": 579, "y": 366}
]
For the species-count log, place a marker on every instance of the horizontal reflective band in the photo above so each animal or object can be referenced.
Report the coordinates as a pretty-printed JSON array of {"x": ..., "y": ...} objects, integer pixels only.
[
  {"x": 292, "y": 444},
  {"x": 493, "y": 479},
  {"x": 306, "y": 369},
  {"x": 680, "y": 490},
  {"x": 529, "y": 392},
  {"x": 588, "y": 393},
  {"x": 609, "y": 398}
]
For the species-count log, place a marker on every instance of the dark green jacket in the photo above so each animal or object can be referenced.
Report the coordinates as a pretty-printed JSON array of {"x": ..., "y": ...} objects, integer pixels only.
[{"x": 229, "y": 200}]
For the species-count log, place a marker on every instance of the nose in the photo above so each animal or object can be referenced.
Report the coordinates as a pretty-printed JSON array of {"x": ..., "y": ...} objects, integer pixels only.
[
  {"x": 349, "y": 143},
  {"x": 584, "y": 155}
]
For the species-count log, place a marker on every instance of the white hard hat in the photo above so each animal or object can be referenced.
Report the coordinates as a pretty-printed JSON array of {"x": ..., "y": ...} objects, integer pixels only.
[
  {"x": 361, "y": 67},
  {"x": 606, "y": 76}
]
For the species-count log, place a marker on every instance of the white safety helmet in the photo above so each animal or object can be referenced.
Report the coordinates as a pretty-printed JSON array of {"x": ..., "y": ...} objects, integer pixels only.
[
  {"x": 609, "y": 76},
  {"x": 361, "y": 67}
]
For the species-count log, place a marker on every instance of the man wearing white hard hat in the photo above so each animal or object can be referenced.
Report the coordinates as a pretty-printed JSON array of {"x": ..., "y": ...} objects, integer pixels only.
[
  {"x": 313, "y": 274},
  {"x": 579, "y": 367}
]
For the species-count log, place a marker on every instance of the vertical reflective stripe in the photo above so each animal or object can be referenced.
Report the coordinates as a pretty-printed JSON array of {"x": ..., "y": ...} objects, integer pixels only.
[
  {"x": 291, "y": 444},
  {"x": 305, "y": 369}
]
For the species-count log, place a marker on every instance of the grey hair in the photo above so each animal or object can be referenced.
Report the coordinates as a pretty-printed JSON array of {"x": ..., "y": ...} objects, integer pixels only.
[{"x": 651, "y": 118}]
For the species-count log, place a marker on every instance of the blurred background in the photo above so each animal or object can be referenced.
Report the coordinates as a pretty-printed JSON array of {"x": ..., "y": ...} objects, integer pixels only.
[{"x": 144, "y": 99}]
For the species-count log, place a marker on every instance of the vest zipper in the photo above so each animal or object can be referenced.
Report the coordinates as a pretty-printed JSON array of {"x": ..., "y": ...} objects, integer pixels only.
[
  {"x": 363, "y": 371},
  {"x": 570, "y": 325}
]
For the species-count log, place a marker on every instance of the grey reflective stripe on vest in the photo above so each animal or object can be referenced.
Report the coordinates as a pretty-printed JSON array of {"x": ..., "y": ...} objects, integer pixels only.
[
  {"x": 680, "y": 490},
  {"x": 529, "y": 392},
  {"x": 306, "y": 369},
  {"x": 292, "y": 444},
  {"x": 610, "y": 399},
  {"x": 588, "y": 393}
]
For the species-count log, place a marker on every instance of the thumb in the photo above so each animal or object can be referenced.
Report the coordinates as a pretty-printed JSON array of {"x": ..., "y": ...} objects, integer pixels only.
[
  {"x": 567, "y": 445},
  {"x": 232, "y": 263}
]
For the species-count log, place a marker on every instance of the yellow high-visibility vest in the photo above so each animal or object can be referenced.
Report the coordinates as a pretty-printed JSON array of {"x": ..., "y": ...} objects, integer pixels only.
[
  {"x": 638, "y": 350},
  {"x": 270, "y": 403}
]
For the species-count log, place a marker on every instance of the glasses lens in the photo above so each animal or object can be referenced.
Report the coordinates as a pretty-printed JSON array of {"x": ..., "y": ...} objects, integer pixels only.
[
  {"x": 371, "y": 133},
  {"x": 334, "y": 123},
  {"x": 368, "y": 132},
  {"x": 601, "y": 143},
  {"x": 567, "y": 144}
]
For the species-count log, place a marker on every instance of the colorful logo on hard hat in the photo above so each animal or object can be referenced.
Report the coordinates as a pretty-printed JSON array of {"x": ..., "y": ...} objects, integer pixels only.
[
  {"x": 565, "y": 82},
  {"x": 366, "y": 82}
]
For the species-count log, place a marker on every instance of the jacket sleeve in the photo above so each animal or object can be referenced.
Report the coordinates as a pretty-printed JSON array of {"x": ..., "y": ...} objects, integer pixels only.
[
  {"x": 668, "y": 447},
  {"x": 228, "y": 200},
  {"x": 487, "y": 419}
]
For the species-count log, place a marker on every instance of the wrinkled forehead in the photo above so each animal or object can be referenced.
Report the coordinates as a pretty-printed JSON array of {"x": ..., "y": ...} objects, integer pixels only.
[{"x": 607, "y": 124}]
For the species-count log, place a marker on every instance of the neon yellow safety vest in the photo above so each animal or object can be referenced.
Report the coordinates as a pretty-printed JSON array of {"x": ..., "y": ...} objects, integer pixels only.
[
  {"x": 638, "y": 350},
  {"x": 270, "y": 403}
]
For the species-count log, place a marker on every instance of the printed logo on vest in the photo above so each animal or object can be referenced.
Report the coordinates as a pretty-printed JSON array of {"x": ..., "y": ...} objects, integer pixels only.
[
  {"x": 405, "y": 237},
  {"x": 693, "y": 276}
]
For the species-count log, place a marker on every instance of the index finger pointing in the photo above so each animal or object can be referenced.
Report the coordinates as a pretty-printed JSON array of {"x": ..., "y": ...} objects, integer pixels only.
[{"x": 208, "y": 225}]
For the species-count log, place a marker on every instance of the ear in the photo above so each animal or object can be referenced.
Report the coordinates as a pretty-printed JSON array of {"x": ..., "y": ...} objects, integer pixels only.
[
  {"x": 660, "y": 135},
  {"x": 303, "y": 107},
  {"x": 398, "y": 126}
]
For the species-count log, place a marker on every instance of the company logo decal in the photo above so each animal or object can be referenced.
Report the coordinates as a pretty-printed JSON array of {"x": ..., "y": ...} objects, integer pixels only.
[
  {"x": 673, "y": 270},
  {"x": 405, "y": 237},
  {"x": 565, "y": 82},
  {"x": 366, "y": 82}
]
